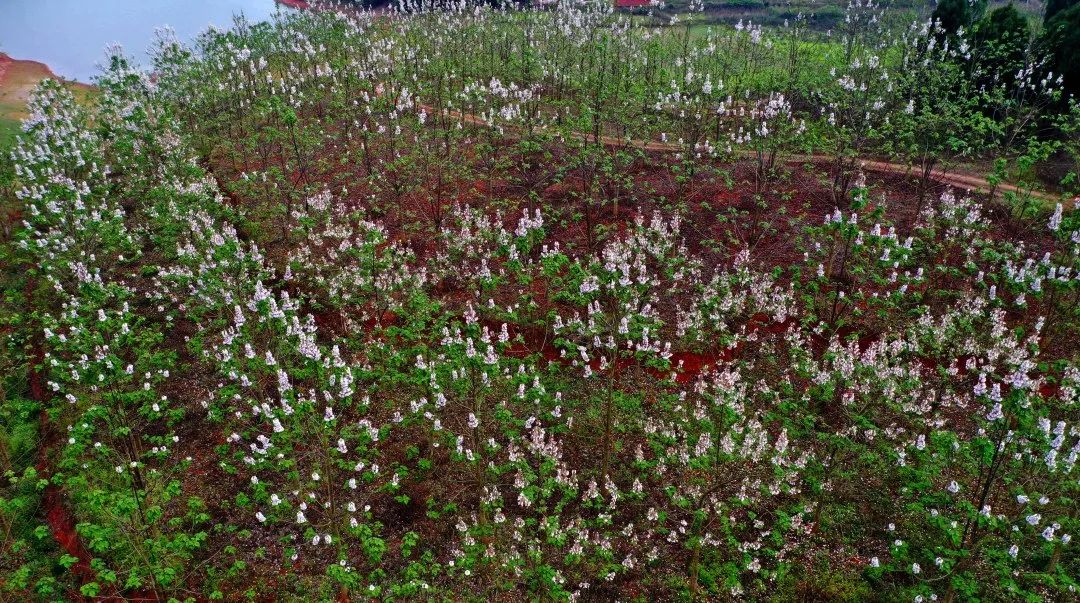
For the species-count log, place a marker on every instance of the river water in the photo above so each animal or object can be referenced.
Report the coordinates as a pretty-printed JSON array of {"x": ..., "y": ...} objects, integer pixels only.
[{"x": 70, "y": 35}]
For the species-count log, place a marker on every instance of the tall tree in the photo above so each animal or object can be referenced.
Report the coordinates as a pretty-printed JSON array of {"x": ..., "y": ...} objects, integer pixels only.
[
  {"x": 1062, "y": 40},
  {"x": 956, "y": 14},
  {"x": 1003, "y": 38},
  {"x": 1053, "y": 7}
]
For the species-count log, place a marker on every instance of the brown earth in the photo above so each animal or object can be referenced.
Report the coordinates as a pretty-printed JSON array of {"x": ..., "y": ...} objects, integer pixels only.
[
  {"x": 18, "y": 79},
  {"x": 962, "y": 181}
]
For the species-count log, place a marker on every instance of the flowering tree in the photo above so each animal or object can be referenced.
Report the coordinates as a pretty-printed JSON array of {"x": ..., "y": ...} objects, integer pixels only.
[{"x": 473, "y": 302}]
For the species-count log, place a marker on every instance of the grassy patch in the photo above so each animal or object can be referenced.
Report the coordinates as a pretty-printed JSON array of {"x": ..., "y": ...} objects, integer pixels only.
[
  {"x": 17, "y": 81},
  {"x": 8, "y": 129}
]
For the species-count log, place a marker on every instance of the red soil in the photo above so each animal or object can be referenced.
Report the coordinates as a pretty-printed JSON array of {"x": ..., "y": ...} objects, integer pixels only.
[{"x": 60, "y": 521}]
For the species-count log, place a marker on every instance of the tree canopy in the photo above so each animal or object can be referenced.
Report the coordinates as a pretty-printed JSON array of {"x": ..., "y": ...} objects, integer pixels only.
[
  {"x": 1053, "y": 7},
  {"x": 1062, "y": 39},
  {"x": 954, "y": 14}
]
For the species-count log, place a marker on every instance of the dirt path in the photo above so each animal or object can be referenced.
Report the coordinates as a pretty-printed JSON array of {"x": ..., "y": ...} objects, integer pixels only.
[
  {"x": 18, "y": 78},
  {"x": 960, "y": 180}
]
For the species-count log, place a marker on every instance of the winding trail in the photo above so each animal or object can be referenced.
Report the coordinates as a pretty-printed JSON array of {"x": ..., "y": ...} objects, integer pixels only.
[
  {"x": 18, "y": 78},
  {"x": 960, "y": 180}
]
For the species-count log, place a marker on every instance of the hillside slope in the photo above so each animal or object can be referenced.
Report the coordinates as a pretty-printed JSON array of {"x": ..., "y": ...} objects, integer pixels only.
[{"x": 17, "y": 79}]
